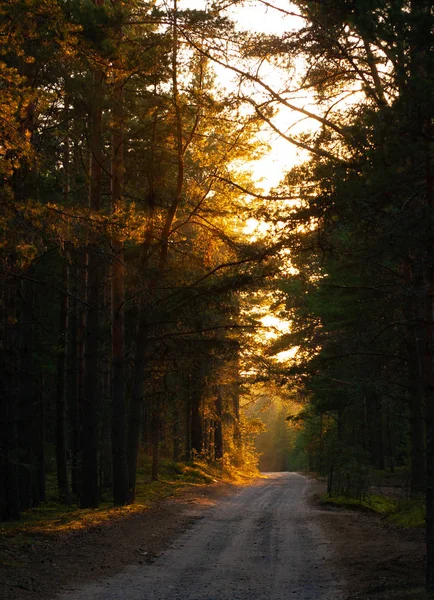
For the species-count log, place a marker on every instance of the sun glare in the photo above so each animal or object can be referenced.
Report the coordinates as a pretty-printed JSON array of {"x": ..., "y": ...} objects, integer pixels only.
[
  {"x": 274, "y": 326},
  {"x": 257, "y": 17},
  {"x": 287, "y": 355}
]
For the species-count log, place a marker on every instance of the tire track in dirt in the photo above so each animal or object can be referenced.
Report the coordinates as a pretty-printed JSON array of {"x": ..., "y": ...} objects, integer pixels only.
[{"x": 264, "y": 543}]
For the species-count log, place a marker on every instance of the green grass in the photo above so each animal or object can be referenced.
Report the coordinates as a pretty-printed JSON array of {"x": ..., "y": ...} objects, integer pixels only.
[
  {"x": 408, "y": 513},
  {"x": 173, "y": 478},
  {"x": 373, "y": 503},
  {"x": 53, "y": 520}
]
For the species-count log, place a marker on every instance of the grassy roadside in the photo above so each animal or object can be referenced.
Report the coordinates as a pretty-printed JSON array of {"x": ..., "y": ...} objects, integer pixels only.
[
  {"x": 53, "y": 520},
  {"x": 406, "y": 513},
  {"x": 387, "y": 498}
]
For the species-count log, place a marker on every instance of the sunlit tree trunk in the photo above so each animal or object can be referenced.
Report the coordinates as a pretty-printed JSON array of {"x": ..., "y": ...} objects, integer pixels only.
[
  {"x": 196, "y": 416},
  {"x": 218, "y": 426}
]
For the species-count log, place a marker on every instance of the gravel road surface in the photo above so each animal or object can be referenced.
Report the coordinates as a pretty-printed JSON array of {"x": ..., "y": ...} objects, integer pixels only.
[{"x": 264, "y": 543}]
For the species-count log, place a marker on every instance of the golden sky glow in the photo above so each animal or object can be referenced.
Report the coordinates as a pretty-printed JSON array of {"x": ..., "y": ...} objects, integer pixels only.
[{"x": 281, "y": 156}]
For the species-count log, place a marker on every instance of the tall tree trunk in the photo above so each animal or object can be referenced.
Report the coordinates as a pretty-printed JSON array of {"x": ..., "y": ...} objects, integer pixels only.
[
  {"x": 119, "y": 454},
  {"x": 237, "y": 430},
  {"x": 106, "y": 413},
  {"x": 156, "y": 427},
  {"x": 206, "y": 438},
  {"x": 429, "y": 415},
  {"x": 40, "y": 440},
  {"x": 429, "y": 363},
  {"x": 414, "y": 340},
  {"x": 9, "y": 458},
  {"x": 72, "y": 373},
  {"x": 196, "y": 418},
  {"x": 81, "y": 364},
  {"x": 29, "y": 496},
  {"x": 89, "y": 468},
  {"x": 61, "y": 462},
  {"x": 188, "y": 455},
  {"x": 218, "y": 427},
  {"x": 176, "y": 433},
  {"x": 137, "y": 394},
  {"x": 381, "y": 460}
]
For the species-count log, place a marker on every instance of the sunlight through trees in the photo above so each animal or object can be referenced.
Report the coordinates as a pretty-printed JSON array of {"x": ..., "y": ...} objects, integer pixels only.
[{"x": 158, "y": 299}]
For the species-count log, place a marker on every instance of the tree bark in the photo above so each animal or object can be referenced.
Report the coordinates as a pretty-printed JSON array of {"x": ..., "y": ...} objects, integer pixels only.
[
  {"x": 61, "y": 462},
  {"x": 137, "y": 394},
  {"x": 72, "y": 373},
  {"x": 429, "y": 366},
  {"x": 9, "y": 458},
  {"x": 29, "y": 496},
  {"x": 40, "y": 441},
  {"x": 196, "y": 418},
  {"x": 188, "y": 424},
  {"x": 118, "y": 442},
  {"x": 89, "y": 468},
  {"x": 414, "y": 341},
  {"x": 156, "y": 426},
  {"x": 176, "y": 433},
  {"x": 218, "y": 427}
]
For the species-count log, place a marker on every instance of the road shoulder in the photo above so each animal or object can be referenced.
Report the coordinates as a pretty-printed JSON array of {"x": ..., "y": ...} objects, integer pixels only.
[
  {"x": 52, "y": 565},
  {"x": 379, "y": 560}
]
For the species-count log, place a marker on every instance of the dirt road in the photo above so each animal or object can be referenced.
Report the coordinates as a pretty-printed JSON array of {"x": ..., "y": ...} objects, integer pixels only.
[{"x": 261, "y": 544}]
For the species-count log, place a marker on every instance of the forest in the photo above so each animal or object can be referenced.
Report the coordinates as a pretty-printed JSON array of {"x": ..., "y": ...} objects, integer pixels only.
[{"x": 140, "y": 255}]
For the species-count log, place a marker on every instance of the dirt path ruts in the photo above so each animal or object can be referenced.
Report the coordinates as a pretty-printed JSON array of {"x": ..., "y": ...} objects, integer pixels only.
[
  {"x": 263, "y": 543},
  {"x": 53, "y": 563},
  {"x": 378, "y": 561}
]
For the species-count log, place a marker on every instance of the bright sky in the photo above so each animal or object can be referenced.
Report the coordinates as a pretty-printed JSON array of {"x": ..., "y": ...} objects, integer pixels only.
[
  {"x": 260, "y": 18},
  {"x": 269, "y": 170}
]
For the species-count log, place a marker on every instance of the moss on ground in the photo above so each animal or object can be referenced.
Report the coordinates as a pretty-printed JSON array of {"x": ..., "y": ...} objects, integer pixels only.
[
  {"x": 408, "y": 513},
  {"x": 373, "y": 503}
]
